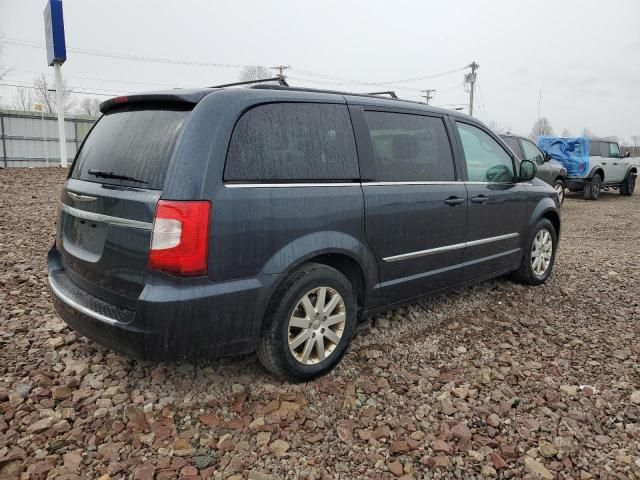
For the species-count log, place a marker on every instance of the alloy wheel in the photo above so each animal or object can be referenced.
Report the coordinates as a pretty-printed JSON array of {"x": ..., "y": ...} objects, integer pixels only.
[
  {"x": 541, "y": 252},
  {"x": 560, "y": 190},
  {"x": 316, "y": 325}
]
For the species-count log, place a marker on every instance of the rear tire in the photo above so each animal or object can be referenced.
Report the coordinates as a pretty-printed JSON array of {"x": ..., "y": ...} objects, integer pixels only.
[
  {"x": 592, "y": 189},
  {"x": 558, "y": 185},
  {"x": 309, "y": 323},
  {"x": 628, "y": 186},
  {"x": 539, "y": 246}
]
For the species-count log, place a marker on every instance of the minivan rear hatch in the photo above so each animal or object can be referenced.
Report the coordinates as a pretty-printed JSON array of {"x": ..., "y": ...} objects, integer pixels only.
[{"x": 108, "y": 204}]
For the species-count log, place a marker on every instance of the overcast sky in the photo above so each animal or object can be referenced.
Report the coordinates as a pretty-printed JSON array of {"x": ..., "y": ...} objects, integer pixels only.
[{"x": 584, "y": 56}]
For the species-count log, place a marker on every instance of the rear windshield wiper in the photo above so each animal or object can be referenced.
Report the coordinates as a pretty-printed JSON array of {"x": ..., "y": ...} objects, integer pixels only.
[{"x": 115, "y": 176}]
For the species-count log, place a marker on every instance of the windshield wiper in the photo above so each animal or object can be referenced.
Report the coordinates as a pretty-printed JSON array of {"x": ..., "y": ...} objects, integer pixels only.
[{"x": 115, "y": 176}]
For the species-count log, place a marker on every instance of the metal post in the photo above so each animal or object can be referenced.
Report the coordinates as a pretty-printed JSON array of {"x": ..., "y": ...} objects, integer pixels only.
[
  {"x": 4, "y": 144},
  {"x": 44, "y": 136},
  {"x": 470, "y": 78},
  {"x": 75, "y": 129},
  {"x": 60, "y": 107}
]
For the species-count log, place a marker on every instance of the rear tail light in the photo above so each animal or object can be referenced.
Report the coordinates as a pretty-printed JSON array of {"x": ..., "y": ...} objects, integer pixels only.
[{"x": 180, "y": 239}]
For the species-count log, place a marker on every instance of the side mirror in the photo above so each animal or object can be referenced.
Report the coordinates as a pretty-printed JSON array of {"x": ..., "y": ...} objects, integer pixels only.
[
  {"x": 627, "y": 154},
  {"x": 528, "y": 171},
  {"x": 547, "y": 157}
]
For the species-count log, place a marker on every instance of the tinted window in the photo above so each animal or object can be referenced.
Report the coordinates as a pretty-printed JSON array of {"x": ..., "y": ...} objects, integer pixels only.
[
  {"x": 512, "y": 143},
  {"x": 293, "y": 141},
  {"x": 531, "y": 152},
  {"x": 595, "y": 149},
  {"x": 486, "y": 160},
  {"x": 410, "y": 147},
  {"x": 136, "y": 144}
]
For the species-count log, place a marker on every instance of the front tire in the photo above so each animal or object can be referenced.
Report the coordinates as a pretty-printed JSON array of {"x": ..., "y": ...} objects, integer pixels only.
[
  {"x": 592, "y": 189},
  {"x": 558, "y": 186},
  {"x": 309, "y": 323},
  {"x": 540, "y": 254},
  {"x": 628, "y": 186}
]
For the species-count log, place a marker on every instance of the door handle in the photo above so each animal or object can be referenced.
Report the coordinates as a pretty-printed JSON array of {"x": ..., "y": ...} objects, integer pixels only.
[
  {"x": 615, "y": 163},
  {"x": 480, "y": 199},
  {"x": 453, "y": 201}
]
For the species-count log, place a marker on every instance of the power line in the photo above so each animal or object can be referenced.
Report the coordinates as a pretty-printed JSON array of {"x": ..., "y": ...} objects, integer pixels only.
[
  {"x": 68, "y": 90},
  {"x": 389, "y": 82},
  {"x": 137, "y": 58},
  {"x": 107, "y": 80}
]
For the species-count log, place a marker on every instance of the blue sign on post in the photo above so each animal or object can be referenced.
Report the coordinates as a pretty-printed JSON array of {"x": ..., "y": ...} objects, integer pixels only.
[{"x": 54, "y": 32}]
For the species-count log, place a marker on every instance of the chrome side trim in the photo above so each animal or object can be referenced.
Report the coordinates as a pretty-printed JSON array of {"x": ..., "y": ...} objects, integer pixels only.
[
  {"x": 482, "y": 241},
  {"x": 353, "y": 184},
  {"x": 81, "y": 198},
  {"x": 448, "y": 248},
  {"x": 382, "y": 184},
  {"x": 290, "y": 185},
  {"x": 424, "y": 253},
  {"x": 76, "y": 306},
  {"x": 98, "y": 217}
]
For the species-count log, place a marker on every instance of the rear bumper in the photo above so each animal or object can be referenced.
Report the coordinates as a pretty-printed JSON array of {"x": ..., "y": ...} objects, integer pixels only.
[{"x": 174, "y": 319}]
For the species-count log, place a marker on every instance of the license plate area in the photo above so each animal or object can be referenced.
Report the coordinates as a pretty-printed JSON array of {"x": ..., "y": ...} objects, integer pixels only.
[{"x": 83, "y": 238}]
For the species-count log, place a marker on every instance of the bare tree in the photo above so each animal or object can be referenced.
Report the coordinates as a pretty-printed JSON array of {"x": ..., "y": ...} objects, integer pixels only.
[
  {"x": 542, "y": 126},
  {"x": 566, "y": 133},
  {"x": 23, "y": 99},
  {"x": 588, "y": 133},
  {"x": 90, "y": 106},
  {"x": 636, "y": 144},
  {"x": 46, "y": 95},
  {"x": 497, "y": 127},
  {"x": 256, "y": 72}
]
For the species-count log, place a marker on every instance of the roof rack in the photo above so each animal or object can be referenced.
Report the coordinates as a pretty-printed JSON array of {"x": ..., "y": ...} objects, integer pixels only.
[
  {"x": 281, "y": 81},
  {"x": 391, "y": 93}
]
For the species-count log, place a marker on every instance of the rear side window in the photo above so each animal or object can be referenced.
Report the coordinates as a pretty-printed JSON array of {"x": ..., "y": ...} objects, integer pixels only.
[
  {"x": 136, "y": 144},
  {"x": 595, "y": 149},
  {"x": 293, "y": 141},
  {"x": 409, "y": 147},
  {"x": 512, "y": 143}
]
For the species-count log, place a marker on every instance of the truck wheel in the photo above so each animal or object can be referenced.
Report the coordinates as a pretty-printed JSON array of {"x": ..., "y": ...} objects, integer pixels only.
[
  {"x": 309, "y": 323},
  {"x": 592, "y": 189},
  {"x": 559, "y": 187},
  {"x": 628, "y": 186},
  {"x": 539, "y": 255}
]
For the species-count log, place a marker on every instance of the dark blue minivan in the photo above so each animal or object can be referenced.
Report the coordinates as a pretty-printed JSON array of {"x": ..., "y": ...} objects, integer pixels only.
[{"x": 223, "y": 221}]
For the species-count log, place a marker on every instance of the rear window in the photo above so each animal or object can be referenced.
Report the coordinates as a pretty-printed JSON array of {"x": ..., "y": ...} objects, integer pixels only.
[
  {"x": 135, "y": 143},
  {"x": 293, "y": 141}
]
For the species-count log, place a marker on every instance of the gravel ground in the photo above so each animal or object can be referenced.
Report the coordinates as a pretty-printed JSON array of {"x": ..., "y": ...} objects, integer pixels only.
[{"x": 497, "y": 380}]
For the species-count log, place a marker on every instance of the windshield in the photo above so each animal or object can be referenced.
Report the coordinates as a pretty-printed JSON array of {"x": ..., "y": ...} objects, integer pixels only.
[{"x": 130, "y": 147}]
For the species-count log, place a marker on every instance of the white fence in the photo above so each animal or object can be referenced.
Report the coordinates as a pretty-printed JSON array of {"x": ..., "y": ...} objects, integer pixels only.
[{"x": 30, "y": 139}]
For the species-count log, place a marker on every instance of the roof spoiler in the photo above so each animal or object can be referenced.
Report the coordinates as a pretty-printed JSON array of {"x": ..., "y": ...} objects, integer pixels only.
[{"x": 184, "y": 98}]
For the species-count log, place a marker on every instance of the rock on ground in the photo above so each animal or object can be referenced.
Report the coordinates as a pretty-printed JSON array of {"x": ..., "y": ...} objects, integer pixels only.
[{"x": 497, "y": 379}]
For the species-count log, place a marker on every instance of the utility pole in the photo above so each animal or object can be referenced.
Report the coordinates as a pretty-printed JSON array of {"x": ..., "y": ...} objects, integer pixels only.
[
  {"x": 470, "y": 78},
  {"x": 281, "y": 69},
  {"x": 428, "y": 95}
]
